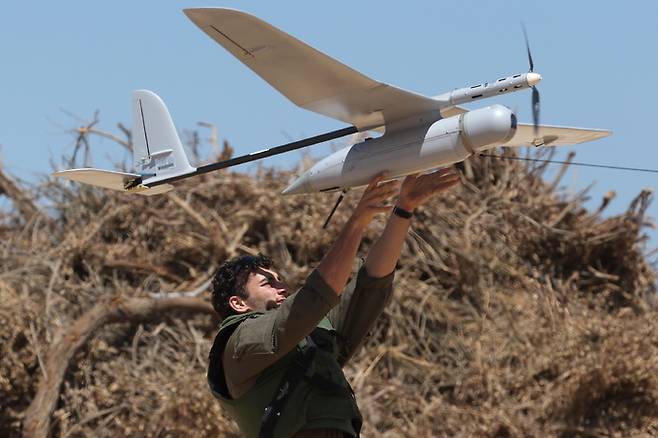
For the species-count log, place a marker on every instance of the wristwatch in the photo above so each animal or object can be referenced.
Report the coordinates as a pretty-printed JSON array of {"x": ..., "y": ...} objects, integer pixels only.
[{"x": 401, "y": 212}]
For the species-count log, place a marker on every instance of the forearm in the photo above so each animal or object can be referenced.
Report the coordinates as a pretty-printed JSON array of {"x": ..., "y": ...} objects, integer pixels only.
[
  {"x": 415, "y": 190},
  {"x": 384, "y": 254},
  {"x": 336, "y": 266}
]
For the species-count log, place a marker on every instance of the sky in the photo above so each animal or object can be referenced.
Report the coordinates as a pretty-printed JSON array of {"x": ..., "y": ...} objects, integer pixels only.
[{"x": 64, "y": 60}]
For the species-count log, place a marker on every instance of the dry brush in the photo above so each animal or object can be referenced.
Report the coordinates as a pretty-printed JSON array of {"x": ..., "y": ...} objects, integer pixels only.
[{"x": 517, "y": 312}]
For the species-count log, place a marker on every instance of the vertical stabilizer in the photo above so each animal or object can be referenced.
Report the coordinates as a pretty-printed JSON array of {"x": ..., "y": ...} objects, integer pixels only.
[{"x": 157, "y": 150}]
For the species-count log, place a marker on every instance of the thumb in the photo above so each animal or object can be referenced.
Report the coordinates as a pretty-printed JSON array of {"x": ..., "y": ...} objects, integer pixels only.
[{"x": 411, "y": 177}]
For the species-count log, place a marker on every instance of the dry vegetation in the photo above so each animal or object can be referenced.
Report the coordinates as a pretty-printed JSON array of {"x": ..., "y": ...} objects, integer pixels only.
[{"x": 517, "y": 312}]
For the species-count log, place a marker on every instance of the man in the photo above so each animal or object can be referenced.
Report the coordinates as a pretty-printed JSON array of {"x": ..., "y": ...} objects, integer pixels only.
[{"x": 276, "y": 363}]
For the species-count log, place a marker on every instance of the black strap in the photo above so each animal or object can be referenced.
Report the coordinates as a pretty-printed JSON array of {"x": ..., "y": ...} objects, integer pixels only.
[
  {"x": 293, "y": 375},
  {"x": 401, "y": 212},
  {"x": 300, "y": 369}
]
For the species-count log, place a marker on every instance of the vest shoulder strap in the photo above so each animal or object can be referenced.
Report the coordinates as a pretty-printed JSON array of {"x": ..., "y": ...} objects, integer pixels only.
[
  {"x": 301, "y": 368},
  {"x": 216, "y": 379}
]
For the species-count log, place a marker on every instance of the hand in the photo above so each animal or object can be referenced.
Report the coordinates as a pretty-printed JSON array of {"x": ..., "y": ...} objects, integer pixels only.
[
  {"x": 372, "y": 201},
  {"x": 415, "y": 189}
]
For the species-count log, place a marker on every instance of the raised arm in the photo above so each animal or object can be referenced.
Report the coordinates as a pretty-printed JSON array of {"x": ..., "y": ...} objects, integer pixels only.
[
  {"x": 336, "y": 266},
  {"x": 259, "y": 342},
  {"x": 415, "y": 190},
  {"x": 369, "y": 293}
]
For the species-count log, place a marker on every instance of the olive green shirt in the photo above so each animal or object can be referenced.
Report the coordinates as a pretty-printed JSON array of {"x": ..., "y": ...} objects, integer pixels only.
[{"x": 259, "y": 342}]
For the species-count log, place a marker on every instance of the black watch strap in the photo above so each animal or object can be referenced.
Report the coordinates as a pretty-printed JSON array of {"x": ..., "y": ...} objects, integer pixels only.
[{"x": 401, "y": 212}]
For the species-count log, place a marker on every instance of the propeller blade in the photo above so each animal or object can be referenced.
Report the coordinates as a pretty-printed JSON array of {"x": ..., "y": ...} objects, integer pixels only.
[
  {"x": 527, "y": 46},
  {"x": 535, "y": 109},
  {"x": 535, "y": 92}
]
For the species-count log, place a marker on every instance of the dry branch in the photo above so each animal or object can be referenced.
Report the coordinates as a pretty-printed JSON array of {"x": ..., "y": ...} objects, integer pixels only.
[
  {"x": 72, "y": 339},
  {"x": 22, "y": 201},
  {"x": 125, "y": 143},
  {"x": 516, "y": 311}
]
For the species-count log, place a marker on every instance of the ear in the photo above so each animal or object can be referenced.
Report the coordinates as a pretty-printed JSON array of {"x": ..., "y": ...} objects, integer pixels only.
[{"x": 238, "y": 304}]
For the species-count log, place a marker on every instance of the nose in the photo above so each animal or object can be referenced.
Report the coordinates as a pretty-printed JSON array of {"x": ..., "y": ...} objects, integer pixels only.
[{"x": 281, "y": 287}]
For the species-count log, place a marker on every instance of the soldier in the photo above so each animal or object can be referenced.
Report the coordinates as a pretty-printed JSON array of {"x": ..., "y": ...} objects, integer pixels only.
[{"x": 276, "y": 362}]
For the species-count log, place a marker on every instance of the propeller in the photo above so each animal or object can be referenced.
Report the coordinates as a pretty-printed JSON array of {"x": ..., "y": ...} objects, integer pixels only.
[{"x": 535, "y": 92}]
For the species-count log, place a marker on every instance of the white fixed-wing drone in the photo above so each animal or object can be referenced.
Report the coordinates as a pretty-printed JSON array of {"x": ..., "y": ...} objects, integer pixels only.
[{"x": 420, "y": 132}]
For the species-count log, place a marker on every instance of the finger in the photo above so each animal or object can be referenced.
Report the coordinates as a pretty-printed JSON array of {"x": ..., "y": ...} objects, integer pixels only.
[
  {"x": 379, "y": 200},
  {"x": 441, "y": 174},
  {"x": 441, "y": 187},
  {"x": 438, "y": 176},
  {"x": 381, "y": 192},
  {"x": 447, "y": 176},
  {"x": 436, "y": 185},
  {"x": 446, "y": 172},
  {"x": 388, "y": 185},
  {"x": 381, "y": 188},
  {"x": 443, "y": 180},
  {"x": 376, "y": 180},
  {"x": 444, "y": 185}
]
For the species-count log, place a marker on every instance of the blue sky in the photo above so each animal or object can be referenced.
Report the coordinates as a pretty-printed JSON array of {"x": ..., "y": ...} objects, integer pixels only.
[{"x": 598, "y": 60}]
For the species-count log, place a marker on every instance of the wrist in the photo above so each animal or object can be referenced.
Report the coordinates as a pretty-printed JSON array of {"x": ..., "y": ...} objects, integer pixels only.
[
  {"x": 403, "y": 213},
  {"x": 406, "y": 205},
  {"x": 354, "y": 225}
]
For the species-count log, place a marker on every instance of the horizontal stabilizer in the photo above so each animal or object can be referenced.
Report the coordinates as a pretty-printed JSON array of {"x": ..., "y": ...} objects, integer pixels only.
[
  {"x": 111, "y": 180},
  {"x": 553, "y": 135}
]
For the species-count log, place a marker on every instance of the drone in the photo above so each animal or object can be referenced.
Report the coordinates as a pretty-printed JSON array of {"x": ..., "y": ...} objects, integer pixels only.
[{"x": 420, "y": 133}]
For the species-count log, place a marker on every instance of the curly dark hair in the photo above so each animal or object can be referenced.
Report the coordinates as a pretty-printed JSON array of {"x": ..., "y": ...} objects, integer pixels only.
[{"x": 231, "y": 279}]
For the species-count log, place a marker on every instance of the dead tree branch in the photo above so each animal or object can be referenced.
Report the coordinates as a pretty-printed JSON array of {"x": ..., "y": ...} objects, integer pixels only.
[
  {"x": 83, "y": 141},
  {"x": 126, "y": 144},
  {"x": 22, "y": 201},
  {"x": 72, "y": 338}
]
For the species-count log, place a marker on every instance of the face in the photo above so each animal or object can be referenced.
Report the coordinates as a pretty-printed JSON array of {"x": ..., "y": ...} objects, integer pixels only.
[{"x": 265, "y": 290}]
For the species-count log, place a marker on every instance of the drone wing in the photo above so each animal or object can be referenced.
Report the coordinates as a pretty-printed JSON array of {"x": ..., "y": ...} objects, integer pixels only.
[
  {"x": 553, "y": 135},
  {"x": 453, "y": 111},
  {"x": 306, "y": 76}
]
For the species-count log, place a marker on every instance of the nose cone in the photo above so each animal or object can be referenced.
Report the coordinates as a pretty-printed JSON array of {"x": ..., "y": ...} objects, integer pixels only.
[
  {"x": 533, "y": 79},
  {"x": 300, "y": 185}
]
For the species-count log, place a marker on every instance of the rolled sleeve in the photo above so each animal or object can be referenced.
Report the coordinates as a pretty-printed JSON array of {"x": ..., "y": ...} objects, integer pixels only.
[
  {"x": 374, "y": 283},
  {"x": 316, "y": 283}
]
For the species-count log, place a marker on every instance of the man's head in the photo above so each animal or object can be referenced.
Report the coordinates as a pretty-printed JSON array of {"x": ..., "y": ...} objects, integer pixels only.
[{"x": 247, "y": 283}]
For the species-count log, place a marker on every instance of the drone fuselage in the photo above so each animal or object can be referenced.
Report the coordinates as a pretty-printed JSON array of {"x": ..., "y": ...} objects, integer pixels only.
[{"x": 436, "y": 143}]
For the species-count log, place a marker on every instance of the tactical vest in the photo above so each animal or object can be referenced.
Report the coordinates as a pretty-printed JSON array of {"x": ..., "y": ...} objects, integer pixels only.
[{"x": 321, "y": 399}]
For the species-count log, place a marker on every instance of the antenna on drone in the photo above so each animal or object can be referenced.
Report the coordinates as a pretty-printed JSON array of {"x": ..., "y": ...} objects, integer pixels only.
[{"x": 333, "y": 210}]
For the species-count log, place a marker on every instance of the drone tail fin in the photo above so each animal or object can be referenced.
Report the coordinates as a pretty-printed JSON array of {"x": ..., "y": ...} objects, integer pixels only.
[{"x": 157, "y": 150}]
